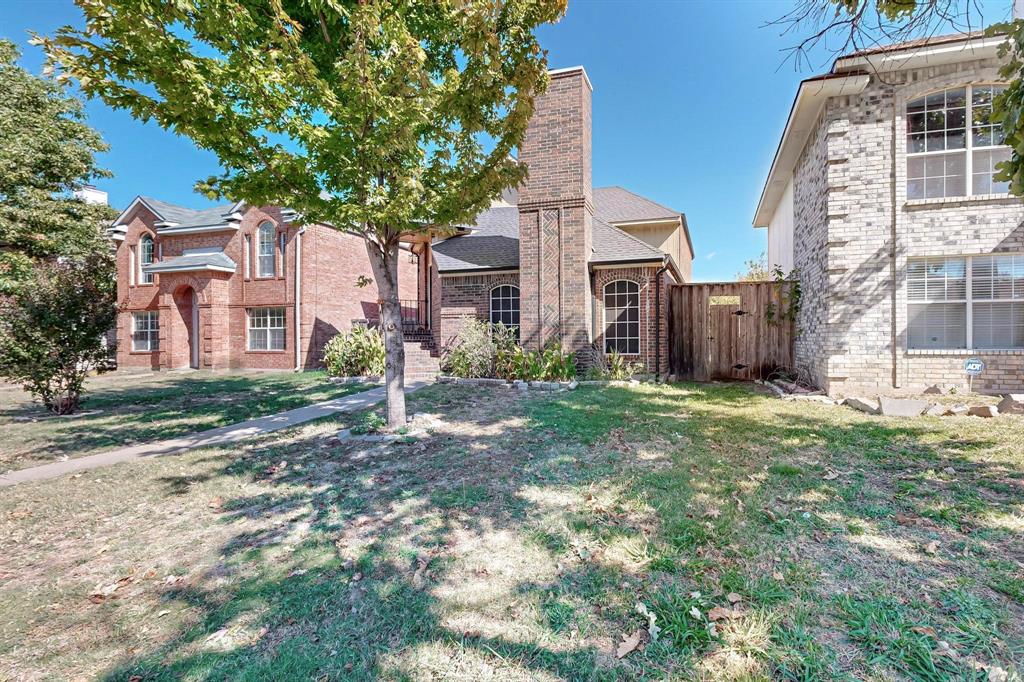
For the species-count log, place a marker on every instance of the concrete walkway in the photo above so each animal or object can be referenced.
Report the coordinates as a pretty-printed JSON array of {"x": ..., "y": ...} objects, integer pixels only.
[{"x": 205, "y": 439}]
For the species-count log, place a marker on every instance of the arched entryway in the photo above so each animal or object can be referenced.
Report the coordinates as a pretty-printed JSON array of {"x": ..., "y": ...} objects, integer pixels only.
[{"x": 185, "y": 329}]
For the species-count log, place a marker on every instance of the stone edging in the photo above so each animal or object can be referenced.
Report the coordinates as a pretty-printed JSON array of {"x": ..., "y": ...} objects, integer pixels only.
[{"x": 356, "y": 380}]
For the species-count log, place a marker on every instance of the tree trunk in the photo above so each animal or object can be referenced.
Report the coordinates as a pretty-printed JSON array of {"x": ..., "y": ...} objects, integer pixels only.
[{"x": 385, "y": 271}]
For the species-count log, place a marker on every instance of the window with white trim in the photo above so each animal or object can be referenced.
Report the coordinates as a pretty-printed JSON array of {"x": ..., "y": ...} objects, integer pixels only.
[
  {"x": 505, "y": 306},
  {"x": 952, "y": 144},
  {"x": 265, "y": 251},
  {"x": 622, "y": 317},
  {"x": 281, "y": 239},
  {"x": 145, "y": 258},
  {"x": 266, "y": 328},
  {"x": 959, "y": 302},
  {"x": 146, "y": 331}
]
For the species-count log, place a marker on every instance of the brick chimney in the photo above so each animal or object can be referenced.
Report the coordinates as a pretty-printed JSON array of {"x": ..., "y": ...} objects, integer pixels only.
[{"x": 556, "y": 211}]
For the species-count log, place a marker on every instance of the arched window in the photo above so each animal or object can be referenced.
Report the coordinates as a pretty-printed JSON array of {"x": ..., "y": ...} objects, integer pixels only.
[
  {"x": 953, "y": 145},
  {"x": 265, "y": 250},
  {"x": 622, "y": 317},
  {"x": 145, "y": 258},
  {"x": 505, "y": 306}
]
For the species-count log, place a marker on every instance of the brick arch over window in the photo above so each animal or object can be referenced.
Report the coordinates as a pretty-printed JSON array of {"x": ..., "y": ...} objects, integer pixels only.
[{"x": 621, "y": 323}]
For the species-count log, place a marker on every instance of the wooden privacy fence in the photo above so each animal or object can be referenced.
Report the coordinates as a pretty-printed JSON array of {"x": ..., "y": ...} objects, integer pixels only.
[{"x": 724, "y": 331}]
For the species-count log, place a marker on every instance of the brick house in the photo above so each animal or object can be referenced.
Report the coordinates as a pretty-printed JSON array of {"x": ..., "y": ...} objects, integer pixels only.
[
  {"x": 235, "y": 286},
  {"x": 564, "y": 261},
  {"x": 882, "y": 196},
  {"x": 560, "y": 260}
]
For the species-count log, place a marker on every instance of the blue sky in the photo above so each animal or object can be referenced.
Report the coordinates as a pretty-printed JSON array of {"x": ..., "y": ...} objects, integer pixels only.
[{"x": 690, "y": 99}]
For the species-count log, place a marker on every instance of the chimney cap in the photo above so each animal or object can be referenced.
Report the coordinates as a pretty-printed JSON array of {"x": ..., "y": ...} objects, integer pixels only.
[{"x": 568, "y": 71}]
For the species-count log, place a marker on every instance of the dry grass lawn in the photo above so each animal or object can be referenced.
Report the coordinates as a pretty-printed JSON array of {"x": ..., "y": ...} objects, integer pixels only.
[
  {"x": 125, "y": 409},
  {"x": 768, "y": 540}
]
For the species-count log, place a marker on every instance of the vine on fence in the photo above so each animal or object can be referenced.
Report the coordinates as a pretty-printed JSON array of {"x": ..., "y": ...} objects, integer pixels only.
[{"x": 789, "y": 294}]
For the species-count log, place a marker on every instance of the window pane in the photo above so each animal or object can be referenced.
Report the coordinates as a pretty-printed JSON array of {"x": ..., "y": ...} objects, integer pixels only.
[
  {"x": 258, "y": 339},
  {"x": 998, "y": 325},
  {"x": 937, "y": 325}
]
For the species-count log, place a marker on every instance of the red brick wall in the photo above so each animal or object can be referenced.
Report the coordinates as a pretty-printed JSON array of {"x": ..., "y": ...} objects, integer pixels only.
[
  {"x": 465, "y": 298},
  {"x": 555, "y": 216},
  {"x": 331, "y": 263},
  {"x": 645, "y": 278}
]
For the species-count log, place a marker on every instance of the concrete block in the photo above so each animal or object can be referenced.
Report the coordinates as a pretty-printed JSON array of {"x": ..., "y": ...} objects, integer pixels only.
[
  {"x": 1012, "y": 403},
  {"x": 862, "y": 404},
  {"x": 901, "y": 407}
]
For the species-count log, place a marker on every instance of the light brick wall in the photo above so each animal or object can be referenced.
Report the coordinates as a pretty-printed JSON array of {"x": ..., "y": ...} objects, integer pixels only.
[{"x": 854, "y": 231}]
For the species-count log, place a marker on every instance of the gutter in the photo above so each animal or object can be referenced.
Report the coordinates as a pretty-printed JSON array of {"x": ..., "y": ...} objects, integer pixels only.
[{"x": 298, "y": 298}]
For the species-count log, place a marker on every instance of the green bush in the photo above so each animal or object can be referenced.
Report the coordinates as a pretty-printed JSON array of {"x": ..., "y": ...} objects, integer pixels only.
[
  {"x": 358, "y": 352},
  {"x": 476, "y": 350},
  {"x": 616, "y": 368},
  {"x": 491, "y": 350}
]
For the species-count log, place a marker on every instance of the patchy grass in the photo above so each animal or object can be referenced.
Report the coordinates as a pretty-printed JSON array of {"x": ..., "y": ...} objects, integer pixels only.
[
  {"x": 124, "y": 409},
  {"x": 771, "y": 540}
]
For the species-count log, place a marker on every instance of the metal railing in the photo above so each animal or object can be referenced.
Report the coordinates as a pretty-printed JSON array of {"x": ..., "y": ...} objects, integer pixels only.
[{"x": 414, "y": 316}]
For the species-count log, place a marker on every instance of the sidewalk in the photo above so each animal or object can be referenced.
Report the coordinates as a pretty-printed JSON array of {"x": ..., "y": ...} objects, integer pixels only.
[{"x": 205, "y": 439}]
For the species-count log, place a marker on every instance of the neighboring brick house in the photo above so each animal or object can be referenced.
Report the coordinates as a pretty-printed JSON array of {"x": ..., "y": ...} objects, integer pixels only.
[
  {"x": 882, "y": 196},
  {"x": 562, "y": 260},
  {"x": 223, "y": 287}
]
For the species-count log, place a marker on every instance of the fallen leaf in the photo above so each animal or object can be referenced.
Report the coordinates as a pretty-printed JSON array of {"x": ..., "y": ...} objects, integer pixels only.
[
  {"x": 695, "y": 612},
  {"x": 712, "y": 513},
  {"x": 629, "y": 644},
  {"x": 924, "y": 630},
  {"x": 831, "y": 476},
  {"x": 733, "y": 597},
  {"x": 718, "y": 613},
  {"x": 932, "y": 547},
  {"x": 778, "y": 576},
  {"x": 216, "y": 503}
]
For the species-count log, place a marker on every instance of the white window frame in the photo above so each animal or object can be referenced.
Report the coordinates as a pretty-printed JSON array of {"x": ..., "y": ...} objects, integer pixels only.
[
  {"x": 517, "y": 310},
  {"x": 152, "y": 331},
  {"x": 969, "y": 300},
  {"x": 265, "y": 237},
  {"x": 968, "y": 149},
  {"x": 260, "y": 319},
  {"x": 604, "y": 318},
  {"x": 146, "y": 277}
]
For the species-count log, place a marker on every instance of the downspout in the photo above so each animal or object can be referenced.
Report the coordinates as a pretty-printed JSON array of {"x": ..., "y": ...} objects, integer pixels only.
[
  {"x": 298, "y": 298},
  {"x": 657, "y": 319}
]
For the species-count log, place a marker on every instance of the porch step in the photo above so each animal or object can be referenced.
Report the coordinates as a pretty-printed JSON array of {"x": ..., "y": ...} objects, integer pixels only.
[{"x": 422, "y": 359}]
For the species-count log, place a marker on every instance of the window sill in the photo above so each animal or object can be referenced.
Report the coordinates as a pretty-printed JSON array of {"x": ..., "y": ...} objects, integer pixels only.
[
  {"x": 272, "y": 352},
  {"x": 912, "y": 204},
  {"x": 964, "y": 352},
  {"x": 143, "y": 352}
]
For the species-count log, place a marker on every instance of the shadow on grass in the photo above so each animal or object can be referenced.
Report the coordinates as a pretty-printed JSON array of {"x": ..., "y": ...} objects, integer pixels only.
[
  {"x": 334, "y": 586},
  {"x": 114, "y": 416}
]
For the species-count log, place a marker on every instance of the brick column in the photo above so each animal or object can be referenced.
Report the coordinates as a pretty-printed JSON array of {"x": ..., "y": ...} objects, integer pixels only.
[{"x": 555, "y": 216}]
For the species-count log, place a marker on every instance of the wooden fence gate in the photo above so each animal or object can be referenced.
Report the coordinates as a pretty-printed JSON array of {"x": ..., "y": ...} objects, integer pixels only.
[{"x": 732, "y": 330}]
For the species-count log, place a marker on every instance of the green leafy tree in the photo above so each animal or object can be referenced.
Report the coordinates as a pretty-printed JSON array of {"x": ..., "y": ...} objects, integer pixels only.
[
  {"x": 46, "y": 152},
  {"x": 850, "y": 25},
  {"x": 756, "y": 270},
  {"x": 385, "y": 119},
  {"x": 50, "y": 328}
]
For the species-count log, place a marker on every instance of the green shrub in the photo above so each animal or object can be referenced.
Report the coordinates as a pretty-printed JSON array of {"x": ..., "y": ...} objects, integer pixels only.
[
  {"x": 616, "y": 368},
  {"x": 357, "y": 352},
  {"x": 558, "y": 365},
  {"x": 478, "y": 349}
]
